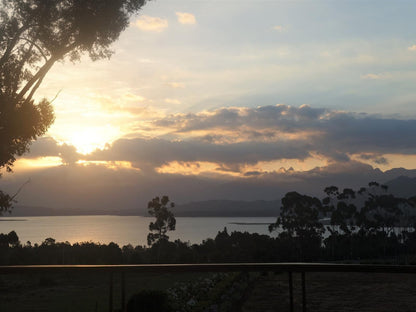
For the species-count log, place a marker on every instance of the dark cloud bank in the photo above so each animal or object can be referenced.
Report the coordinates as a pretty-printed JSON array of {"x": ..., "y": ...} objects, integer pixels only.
[
  {"x": 229, "y": 137},
  {"x": 96, "y": 188},
  {"x": 253, "y": 135}
]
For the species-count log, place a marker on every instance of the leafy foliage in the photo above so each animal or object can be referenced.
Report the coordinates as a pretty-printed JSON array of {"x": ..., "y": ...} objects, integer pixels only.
[
  {"x": 165, "y": 220},
  {"x": 389, "y": 234},
  {"x": 34, "y": 35},
  {"x": 149, "y": 301}
]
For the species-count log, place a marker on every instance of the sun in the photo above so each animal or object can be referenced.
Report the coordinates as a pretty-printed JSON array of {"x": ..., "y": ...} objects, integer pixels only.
[{"x": 87, "y": 139}]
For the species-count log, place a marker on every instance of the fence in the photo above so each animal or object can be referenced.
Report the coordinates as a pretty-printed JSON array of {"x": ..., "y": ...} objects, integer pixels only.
[{"x": 290, "y": 268}]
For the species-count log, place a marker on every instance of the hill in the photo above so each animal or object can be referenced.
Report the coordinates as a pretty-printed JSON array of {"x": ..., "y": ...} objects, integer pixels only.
[
  {"x": 229, "y": 208},
  {"x": 402, "y": 186},
  {"x": 209, "y": 208}
]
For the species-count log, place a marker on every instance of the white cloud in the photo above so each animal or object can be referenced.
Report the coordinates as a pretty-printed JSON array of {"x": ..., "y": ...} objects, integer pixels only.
[
  {"x": 172, "y": 101},
  {"x": 186, "y": 18},
  {"x": 149, "y": 23},
  {"x": 176, "y": 85},
  {"x": 279, "y": 28},
  {"x": 325, "y": 54},
  {"x": 133, "y": 97},
  {"x": 374, "y": 76},
  {"x": 412, "y": 48}
]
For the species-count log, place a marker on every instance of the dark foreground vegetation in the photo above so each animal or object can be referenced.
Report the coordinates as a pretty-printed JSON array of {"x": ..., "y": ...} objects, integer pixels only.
[
  {"x": 225, "y": 247},
  {"x": 365, "y": 225},
  {"x": 368, "y": 224}
]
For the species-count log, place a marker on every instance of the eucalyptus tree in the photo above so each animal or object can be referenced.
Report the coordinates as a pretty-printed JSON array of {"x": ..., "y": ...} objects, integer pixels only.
[
  {"x": 165, "y": 220},
  {"x": 34, "y": 35},
  {"x": 299, "y": 222}
]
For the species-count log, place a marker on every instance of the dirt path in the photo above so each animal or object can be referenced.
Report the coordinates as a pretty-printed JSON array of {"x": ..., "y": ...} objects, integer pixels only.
[{"x": 328, "y": 292}]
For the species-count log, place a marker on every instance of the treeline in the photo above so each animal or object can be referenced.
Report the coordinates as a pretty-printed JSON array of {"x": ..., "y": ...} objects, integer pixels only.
[
  {"x": 225, "y": 247},
  {"x": 365, "y": 225}
]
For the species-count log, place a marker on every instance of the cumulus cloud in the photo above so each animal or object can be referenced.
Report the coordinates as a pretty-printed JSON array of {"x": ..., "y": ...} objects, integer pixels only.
[
  {"x": 172, "y": 101},
  {"x": 47, "y": 146},
  {"x": 186, "y": 18},
  {"x": 335, "y": 134},
  {"x": 412, "y": 48},
  {"x": 133, "y": 97},
  {"x": 374, "y": 76},
  {"x": 149, "y": 23},
  {"x": 278, "y": 28},
  {"x": 279, "y": 117},
  {"x": 65, "y": 187},
  {"x": 237, "y": 139},
  {"x": 151, "y": 153},
  {"x": 176, "y": 85}
]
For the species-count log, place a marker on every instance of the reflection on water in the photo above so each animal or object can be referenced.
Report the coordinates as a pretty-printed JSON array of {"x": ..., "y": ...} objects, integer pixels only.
[{"x": 124, "y": 230}]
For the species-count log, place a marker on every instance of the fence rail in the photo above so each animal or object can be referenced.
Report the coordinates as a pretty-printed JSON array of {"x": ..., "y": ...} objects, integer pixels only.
[{"x": 290, "y": 268}]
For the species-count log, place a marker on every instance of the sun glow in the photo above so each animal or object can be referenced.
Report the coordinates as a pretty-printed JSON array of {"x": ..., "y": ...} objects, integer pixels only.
[
  {"x": 86, "y": 139},
  {"x": 37, "y": 163},
  {"x": 108, "y": 164}
]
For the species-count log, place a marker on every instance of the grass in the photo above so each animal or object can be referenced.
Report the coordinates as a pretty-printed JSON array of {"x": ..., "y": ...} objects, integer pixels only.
[{"x": 77, "y": 292}]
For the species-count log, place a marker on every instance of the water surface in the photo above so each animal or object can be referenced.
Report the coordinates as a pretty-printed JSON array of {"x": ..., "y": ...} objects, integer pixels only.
[{"x": 124, "y": 230}]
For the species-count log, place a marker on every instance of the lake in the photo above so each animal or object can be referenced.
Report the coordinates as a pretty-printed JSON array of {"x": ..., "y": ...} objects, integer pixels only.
[{"x": 124, "y": 230}]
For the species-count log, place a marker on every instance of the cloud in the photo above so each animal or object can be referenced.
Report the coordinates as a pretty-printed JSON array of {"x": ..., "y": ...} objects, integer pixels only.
[
  {"x": 374, "y": 76},
  {"x": 149, "y": 23},
  {"x": 186, "y": 18},
  {"x": 176, "y": 85},
  {"x": 279, "y": 28},
  {"x": 152, "y": 153},
  {"x": 133, "y": 97},
  {"x": 172, "y": 101},
  {"x": 243, "y": 139},
  {"x": 47, "y": 147},
  {"x": 334, "y": 134},
  {"x": 412, "y": 48},
  {"x": 102, "y": 189}
]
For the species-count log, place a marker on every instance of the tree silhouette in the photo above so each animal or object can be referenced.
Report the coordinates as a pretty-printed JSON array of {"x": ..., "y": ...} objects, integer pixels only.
[
  {"x": 34, "y": 35},
  {"x": 165, "y": 220},
  {"x": 342, "y": 212},
  {"x": 299, "y": 221}
]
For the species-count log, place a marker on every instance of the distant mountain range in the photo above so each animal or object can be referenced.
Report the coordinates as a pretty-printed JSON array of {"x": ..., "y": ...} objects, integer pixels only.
[
  {"x": 229, "y": 208},
  {"x": 209, "y": 208},
  {"x": 402, "y": 186},
  {"x": 402, "y": 183}
]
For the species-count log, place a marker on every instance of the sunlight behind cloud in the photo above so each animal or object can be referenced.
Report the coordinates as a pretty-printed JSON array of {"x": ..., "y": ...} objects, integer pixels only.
[
  {"x": 388, "y": 161},
  {"x": 203, "y": 168},
  {"x": 89, "y": 138},
  {"x": 37, "y": 163},
  {"x": 108, "y": 164}
]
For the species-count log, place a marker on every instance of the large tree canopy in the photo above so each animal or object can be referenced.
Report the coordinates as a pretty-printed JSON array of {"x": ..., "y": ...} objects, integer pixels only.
[{"x": 34, "y": 34}]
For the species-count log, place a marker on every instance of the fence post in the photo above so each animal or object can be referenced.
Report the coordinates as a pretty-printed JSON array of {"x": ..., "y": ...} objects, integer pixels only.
[
  {"x": 123, "y": 292},
  {"x": 290, "y": 292},
  {"x": 303, "y": 292},
  {"x": 110, "y": 295}
]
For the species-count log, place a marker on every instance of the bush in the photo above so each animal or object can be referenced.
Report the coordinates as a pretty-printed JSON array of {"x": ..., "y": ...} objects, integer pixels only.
[{"x": 149, "y": 301}]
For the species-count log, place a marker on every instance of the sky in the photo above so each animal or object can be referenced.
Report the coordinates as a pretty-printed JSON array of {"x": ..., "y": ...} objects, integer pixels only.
[{"x": 255, "y": 93}]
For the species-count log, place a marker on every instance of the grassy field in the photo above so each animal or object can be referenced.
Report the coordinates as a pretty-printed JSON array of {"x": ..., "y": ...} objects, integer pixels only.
[
  {"x": 341, "y": 292},
  {"x": 325, "y": 291},
  {"x": 76, "y": 292}
]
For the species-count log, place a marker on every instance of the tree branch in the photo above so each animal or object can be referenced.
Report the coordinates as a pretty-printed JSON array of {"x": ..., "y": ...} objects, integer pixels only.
[
  {"x": 36, "y": 46},
  {"x": 12, "y": 44},
  {"x": 20, "y": 189},
  {"x": 39, "y": 75}
]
